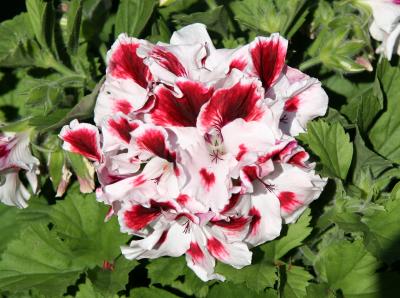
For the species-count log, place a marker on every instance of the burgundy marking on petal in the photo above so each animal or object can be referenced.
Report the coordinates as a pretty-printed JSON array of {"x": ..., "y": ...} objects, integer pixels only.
[
  {"x": 292, "y": 104},
  {"x": 216, "y": 248},
  {"x": 195, "y": 252},
  {"x": 139, "y": 217},
  {"x": 126, "y": 64},
  {"x": 173, "y": 111},
  {"x": 287, "y": 150},
  {"x": 84, "y": 142},
  {"x": 162, "y": 239},
  {"x": 288, "y": 201},
  {"x": 242, "y": 152},
  {"x": 168, "y": 60},
  {"x": 251, "y": 172},
  {"x": 4, "y": 150},
  {"x": 122, "y": 105},
  {"x": 235, "y": 224},
  {"x": 226, "y": 105},
  {"x": 233, "y": 200},
  {"x": 255, "y": 220},
  {"x": 139, "y": 180},
  {"x": 122, "y": 128},
  {"x": 299, "y": 159},
  {"x": 238, "y": 63},
  {"x": 162, "y": 205},
  {"x": 207, "y": 178},
  {"x": 268, "y": 57},
  {"x": 154, "y": 141},
  {"x": 182, "y": 199}
]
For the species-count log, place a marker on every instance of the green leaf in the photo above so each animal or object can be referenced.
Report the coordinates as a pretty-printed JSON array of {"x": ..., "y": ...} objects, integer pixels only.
[
  {"x": 17, "y": 47},
  {"x": 38, "y": 259},
  {"x": 74, "y": 20},
  {"x": 215, "y": 19},
  {"x": 294, "y": 237},
  {"x": 87, "y": 290},
  {"x": 383, "y": 235},
  {"x": 109, "y": 282},
  {"x": 332, "y": 145},
  {"x": 151, "y": 292},
  {"x": 349, "y": 267},
  {"x": 296, "y": 282},
  {"x": 191, "y": 285},
  {"x": 79, "y": 220},
  {"x": 41, "y": 15},
  {"x": 9, "y": 228},
  {"x": 42, "y": 99},
  {"x": 132, "y": 16},
  {"x": 258, "y": 276},
  {"x": 157, "y": 268},
  {"x": 385, "y": 133},
  {"x": 228, "y": 289},
  {"x": 56, "y": 163},
  {"x": 363, "y": 109}
]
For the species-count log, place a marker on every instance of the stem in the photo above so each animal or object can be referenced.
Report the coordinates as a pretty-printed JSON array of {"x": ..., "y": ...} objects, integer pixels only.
[
  {"x": 212, "y": 4},
  {"x": 309, "y": 63},
  {"x": 61, "y": 68}
]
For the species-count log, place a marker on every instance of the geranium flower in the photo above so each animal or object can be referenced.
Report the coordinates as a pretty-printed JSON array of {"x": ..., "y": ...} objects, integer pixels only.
[
  {"x": 386, "y": 25},
  {"x": 197, "y": 156},
  {"x": 16, "y": 158}
]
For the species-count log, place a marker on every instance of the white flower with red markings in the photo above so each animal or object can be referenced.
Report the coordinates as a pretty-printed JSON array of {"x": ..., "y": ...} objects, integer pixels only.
[
  {"x": 194, "y": 146},
  {"x": 385, "y": 26},
  {"x": 16, "y": 158}
]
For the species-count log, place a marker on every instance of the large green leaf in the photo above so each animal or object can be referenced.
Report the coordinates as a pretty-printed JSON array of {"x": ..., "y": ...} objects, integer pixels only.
[
  {"x": 257, "y": 276},
  {"x": 132, "y": 16},
  {"x": 151, "y": 292},
  {"x": 385, "y": 133},
  {"x": 74, "y": 19},
  {"x": 294, "y": 237},
  {"x": 383, "y": 235},
  {"x": 17, "y": 47},
  {"x": 38, "y": 259},
  {"x": 332, "y": 145},
  {"x": 296, "y": 282},
  {"x": 109, "y": 282},
  {"x": 228, "y": 289},
  {"x": 9, "y": 228},
  {"x": 79, "y": 220},
  {"x": 349, "y": 267}
]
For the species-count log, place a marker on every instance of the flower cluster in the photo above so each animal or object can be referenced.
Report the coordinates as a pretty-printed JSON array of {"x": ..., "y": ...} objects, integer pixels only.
[
  {"x": 16, "y": 158},
  {"x": 194, "y": 146},
  {"x": 386, "y": 25}
]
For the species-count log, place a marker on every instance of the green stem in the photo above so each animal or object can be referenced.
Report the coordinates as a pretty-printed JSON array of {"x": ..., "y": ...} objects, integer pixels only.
[
  {"x": 61, "y": 68},
  {"x": 212, "y": 4},
  {"x": 310, "y": 63}
]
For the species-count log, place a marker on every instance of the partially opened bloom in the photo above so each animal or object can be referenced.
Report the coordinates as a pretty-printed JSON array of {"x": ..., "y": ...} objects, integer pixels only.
[
  {"x": 194, "y": 146},
  {"x": 15, "y": 160},
  {"x": 386, "y": 25}
]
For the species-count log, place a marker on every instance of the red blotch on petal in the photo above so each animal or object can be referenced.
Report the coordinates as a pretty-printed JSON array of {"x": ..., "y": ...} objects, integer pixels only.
[
  {"x": 268, "y": 55},
  {"x": 183, "y": 199},
  {"x": 255, "y": 220},
  {"x": 139, "y": 217},
  {"x": 195, "y": 253},
  {"x": 207, "y": 178},
  {"x": 292, "y": 104},
  {"x": 233, "y": 200},
  {"x": 162, "y": 239},
  {"x": 242, "y": 152},
  {"x": 84, "y": 141},
  {"x": 234, "y": 224},
  {"x": 251, "y": 172},
  {"x": 139, "y": 180},
  {"x": 154, "y": 141},
  {"x": 122, "y": 105},
  {"x": 288, "y": 201},
  {"x": 122, "y": 128},
  {"x": 216, "y": 248},
  {"x": 126, "y": 64},
  {"x": 180, "y": 111},
  {"x": 299, "y": 159},
  {"x": 168, "y": 60},
  {"x": 226, "y": 105},
  {"x": 238, "y": 63}
]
